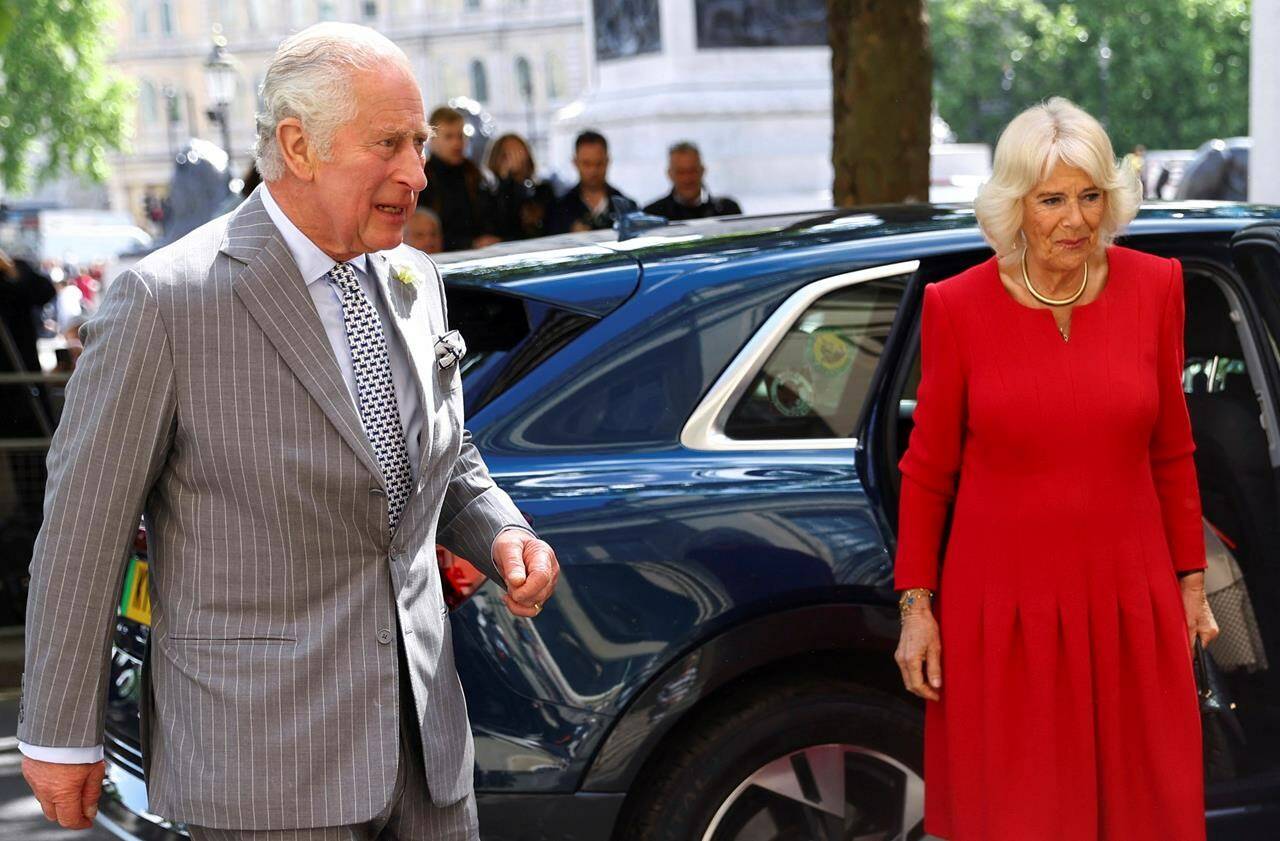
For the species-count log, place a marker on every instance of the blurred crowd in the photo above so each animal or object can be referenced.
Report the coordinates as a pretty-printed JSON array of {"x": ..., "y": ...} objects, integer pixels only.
[
  {"x": 469, "y": 205},
  {"x": 49, "y": 300}
]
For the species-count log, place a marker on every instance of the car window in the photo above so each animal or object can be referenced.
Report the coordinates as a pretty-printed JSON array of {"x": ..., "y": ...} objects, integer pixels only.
[
  {"x": 506, "y": 339},
  {"x": 814, "y": 383}
]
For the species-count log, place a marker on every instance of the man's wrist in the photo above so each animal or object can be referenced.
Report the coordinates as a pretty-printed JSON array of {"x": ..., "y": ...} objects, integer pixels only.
[
  {"x": 61, "y": 756},
  {"x": 494, "y": 544}
]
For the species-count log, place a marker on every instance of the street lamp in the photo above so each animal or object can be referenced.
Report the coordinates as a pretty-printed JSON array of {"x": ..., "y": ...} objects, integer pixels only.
[
  {"x": 220, "y": 77},
  {"x": 171, "y": 116},
  {"x": 524, "y": 81}
]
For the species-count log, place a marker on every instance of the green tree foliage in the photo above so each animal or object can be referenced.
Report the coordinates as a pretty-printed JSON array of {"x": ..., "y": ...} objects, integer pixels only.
[
  {"x": 1177, "y": 73},
  {"x": 61, "y": 108}
]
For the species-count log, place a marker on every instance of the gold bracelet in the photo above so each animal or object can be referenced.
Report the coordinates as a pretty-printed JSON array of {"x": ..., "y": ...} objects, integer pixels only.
[{"x": 909, "y": 598}]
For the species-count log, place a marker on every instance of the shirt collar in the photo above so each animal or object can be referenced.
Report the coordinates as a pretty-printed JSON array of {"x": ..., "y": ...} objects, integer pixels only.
[
  {"x": 703, "y": 198},
  {"x": 313, "y": 264}
]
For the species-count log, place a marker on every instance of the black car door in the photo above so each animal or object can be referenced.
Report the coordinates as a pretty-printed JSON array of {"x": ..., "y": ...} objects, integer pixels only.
[{"x": 1243, "y": 491}]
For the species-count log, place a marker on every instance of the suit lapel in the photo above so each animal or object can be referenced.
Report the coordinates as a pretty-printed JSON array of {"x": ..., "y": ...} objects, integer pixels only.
[
  {"x": 272, "y": 290},
  {"x": 409, "y": 312}
]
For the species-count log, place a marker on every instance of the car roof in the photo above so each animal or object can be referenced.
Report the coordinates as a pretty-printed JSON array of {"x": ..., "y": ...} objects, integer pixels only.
[
  {"x": 876, "y": 222},
  {"x": 949, "y": 226}
]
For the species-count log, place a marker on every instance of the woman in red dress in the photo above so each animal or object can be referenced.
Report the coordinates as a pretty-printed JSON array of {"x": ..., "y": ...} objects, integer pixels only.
[{"x": 1052, "y": 438}]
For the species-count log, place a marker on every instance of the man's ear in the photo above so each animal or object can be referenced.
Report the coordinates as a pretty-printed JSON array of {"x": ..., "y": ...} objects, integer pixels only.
[{"x": 299, "y": 154}]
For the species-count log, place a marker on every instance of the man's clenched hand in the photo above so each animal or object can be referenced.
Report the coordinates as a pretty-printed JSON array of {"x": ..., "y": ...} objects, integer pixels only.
[
  {"x": 68, "y": 794},
  {"x": 530, "y": 569}
]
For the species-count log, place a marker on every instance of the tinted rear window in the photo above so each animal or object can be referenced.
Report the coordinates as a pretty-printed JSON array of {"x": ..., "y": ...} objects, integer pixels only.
[{"x": 507, "y": 337}]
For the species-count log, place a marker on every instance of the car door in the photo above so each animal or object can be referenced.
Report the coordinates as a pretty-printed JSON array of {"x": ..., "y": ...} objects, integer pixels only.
[{"x": 1234, "y": 405}]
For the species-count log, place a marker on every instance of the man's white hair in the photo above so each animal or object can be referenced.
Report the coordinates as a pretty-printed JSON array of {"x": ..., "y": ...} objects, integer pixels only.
[
  {"x": 1056, "y": 131},
  {"x": 310, "y": 79}
]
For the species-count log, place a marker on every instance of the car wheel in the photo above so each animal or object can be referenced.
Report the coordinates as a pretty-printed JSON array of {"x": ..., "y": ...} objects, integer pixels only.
[{"x": 797, "y": 760}]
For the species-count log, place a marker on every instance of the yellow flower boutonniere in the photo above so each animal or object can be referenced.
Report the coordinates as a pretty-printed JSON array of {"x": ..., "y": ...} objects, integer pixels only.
[{"x": 406, "y": 275}]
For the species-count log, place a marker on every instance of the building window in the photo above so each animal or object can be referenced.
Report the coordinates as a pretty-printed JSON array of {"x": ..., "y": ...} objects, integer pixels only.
[
  {"x": 253, "y": 11},
  {"x": 167, "y": 21},
  {"x": 148, "y": 105},
  {"x": 141, "y": 17},
  {"x": 472, "y": 5},
  {"x": 369, "y": 8},
  {"x": 556, "y": 83},
  {"x": 524, "y": 79},
  {"x": 172, "y": 109},
  {"x": 479, "y": 82}
]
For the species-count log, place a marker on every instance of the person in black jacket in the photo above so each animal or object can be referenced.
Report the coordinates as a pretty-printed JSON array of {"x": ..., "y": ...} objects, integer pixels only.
[
  {"x": 457, "y": 189},
  {"x": 589, "y": 205},
  {"x": 26, "y": 424},
  {"x": 521, "y": 201},
  {"x": 689, "y": 198}
]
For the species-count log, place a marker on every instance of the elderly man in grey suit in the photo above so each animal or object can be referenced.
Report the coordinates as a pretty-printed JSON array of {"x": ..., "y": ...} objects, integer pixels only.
[{"x": 278, "y": 393}]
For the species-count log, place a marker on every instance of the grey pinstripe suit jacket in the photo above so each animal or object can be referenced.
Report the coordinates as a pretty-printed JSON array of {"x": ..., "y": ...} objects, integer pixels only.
[{"x": 208, "y": 397}]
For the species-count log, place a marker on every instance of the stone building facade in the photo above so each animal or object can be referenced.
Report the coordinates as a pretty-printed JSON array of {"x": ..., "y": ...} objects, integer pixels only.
[{"x": 520, "y": 59}]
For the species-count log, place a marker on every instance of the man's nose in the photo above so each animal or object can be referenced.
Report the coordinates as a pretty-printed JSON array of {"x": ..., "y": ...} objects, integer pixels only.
[{"x": 410, "y": 170}]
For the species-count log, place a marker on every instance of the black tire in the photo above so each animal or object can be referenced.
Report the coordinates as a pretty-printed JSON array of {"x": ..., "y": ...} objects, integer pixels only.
[{"x": 708, "y": 760}]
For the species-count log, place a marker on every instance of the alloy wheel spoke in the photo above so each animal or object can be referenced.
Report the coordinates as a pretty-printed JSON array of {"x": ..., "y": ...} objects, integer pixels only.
[{"x": 814, "y": 777}]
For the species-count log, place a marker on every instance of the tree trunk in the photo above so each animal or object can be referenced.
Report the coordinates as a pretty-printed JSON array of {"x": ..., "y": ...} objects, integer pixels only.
[{"x": 881, "y": 75}]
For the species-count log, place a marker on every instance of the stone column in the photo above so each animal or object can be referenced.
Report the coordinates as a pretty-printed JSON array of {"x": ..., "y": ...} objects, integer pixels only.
[
  {"x": 1264, "y": 103},
  {"x": 751, "y": 87}
]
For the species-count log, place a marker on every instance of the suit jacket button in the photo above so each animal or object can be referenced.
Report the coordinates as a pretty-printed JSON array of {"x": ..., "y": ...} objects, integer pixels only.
[{"x": 384, "y": 636}]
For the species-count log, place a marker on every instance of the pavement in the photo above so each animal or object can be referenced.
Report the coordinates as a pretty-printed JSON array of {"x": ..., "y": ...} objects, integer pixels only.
[{"x": 20, "y": 815}]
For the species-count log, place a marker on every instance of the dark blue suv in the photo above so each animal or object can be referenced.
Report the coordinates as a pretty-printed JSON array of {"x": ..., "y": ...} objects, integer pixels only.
[{"x": 705, "y": 421}]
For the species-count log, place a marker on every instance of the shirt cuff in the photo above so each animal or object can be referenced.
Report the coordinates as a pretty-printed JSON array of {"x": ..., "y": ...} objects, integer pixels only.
[{"x": 62, "y": 756}]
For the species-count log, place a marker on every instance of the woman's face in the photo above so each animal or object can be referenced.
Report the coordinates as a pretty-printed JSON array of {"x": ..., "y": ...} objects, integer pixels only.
[
  {"x": 1060, "y": 219},
  {"x": 513, "y": 160}
]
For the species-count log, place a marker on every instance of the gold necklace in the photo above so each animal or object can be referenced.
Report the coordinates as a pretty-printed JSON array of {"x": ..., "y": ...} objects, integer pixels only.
[{"x": 1044, "y": 299}]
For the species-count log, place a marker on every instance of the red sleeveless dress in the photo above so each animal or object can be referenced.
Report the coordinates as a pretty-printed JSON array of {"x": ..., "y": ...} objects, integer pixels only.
[{"x": 1068, "y": 708}]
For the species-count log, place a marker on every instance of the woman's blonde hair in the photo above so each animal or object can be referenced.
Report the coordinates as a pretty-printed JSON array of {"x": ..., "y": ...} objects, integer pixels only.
[{"x": 1056, "y": 131}]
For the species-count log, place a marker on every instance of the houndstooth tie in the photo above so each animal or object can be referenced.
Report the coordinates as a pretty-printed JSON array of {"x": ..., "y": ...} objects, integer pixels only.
[{"x": 379, "y": 411}]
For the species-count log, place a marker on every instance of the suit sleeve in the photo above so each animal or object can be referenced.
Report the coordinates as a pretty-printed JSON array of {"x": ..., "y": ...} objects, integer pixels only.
[
  {"x": 1172, "y": 465},
  {"x": 931, "y": 465},
  {"x": 108, "y": 449},
  {"x": 475, "y": 509}
]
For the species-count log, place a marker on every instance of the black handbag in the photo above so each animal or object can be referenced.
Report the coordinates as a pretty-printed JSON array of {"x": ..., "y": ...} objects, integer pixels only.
[{"x": 1220, "y": 727}]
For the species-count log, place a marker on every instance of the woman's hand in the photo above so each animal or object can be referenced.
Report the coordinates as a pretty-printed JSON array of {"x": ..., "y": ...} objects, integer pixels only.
[
  {"x": 1200, "y": 621},
  {"x": 919, "y": 654}
]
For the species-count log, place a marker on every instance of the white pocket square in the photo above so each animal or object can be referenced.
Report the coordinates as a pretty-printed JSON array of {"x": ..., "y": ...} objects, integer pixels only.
[{"x": 450, "y": 348}]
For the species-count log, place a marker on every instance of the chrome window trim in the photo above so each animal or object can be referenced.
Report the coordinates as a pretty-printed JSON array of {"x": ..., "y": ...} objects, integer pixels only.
[
  {"x": 704, "y": 430},
  {"x": 1253, "y": 363}
]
